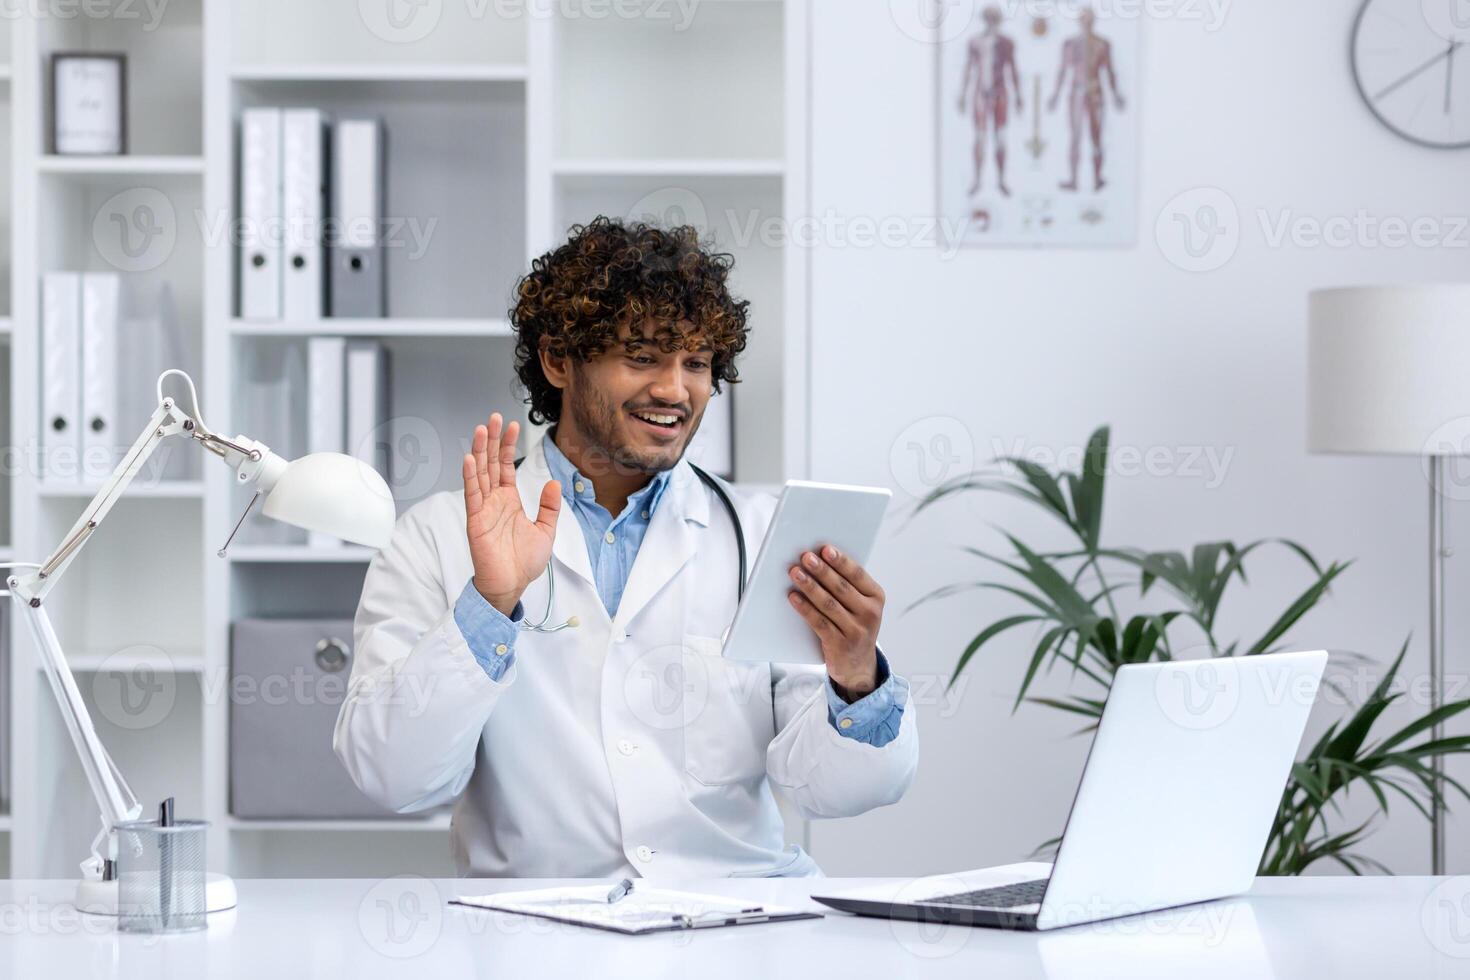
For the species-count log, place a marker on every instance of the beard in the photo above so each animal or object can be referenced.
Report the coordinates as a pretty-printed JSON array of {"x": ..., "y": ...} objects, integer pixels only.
[{"x": 603, "y": 426}]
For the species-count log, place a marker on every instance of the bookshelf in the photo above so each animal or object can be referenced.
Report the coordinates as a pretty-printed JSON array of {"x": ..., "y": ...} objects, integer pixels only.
[{"x": 506, "y": 124}]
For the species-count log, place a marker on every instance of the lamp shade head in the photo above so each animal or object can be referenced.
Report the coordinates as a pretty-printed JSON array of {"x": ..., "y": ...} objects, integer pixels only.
[
  {"x": 1388, "y": 370},
  {"x": 336, "y": 494}
]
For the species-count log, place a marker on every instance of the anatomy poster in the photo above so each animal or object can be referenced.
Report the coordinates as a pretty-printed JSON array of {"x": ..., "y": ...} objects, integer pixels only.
[{"x": 1038, "y": 126}]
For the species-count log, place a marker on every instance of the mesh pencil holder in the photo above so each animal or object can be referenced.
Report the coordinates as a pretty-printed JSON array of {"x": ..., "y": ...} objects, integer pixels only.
[{"x": 160, "y": 873}]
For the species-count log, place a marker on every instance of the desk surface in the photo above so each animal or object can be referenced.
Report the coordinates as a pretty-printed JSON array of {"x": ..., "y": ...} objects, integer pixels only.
[{"x": 1285, "y": 927}]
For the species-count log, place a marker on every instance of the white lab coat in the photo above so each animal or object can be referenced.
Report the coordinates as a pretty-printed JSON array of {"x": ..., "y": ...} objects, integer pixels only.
[{"x": 621, "y": 746}]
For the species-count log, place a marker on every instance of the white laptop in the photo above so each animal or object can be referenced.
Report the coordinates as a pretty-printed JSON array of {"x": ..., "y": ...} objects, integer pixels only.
[{"x": 1175, "y": 805}]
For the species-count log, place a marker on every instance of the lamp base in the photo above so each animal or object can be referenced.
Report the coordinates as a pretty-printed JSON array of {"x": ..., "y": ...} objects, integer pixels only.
[{"x": 100, "y": 897}]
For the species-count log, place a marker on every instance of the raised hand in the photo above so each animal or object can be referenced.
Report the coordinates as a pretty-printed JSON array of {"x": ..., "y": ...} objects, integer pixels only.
[{"x": 509, "y": 549}]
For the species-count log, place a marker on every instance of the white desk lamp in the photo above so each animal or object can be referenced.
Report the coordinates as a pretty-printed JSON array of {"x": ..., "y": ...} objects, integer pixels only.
[
  {"x": 328, "y": 492},
  {"x": 1389, "y": 373}
]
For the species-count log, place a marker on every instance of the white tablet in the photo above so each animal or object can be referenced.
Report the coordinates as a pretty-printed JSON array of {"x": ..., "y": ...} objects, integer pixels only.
[{"x": 808, "y": 515}]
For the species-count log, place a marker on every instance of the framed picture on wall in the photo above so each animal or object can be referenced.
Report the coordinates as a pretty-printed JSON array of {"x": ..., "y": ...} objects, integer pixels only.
[
  {"x": 1037, "y": 127},
  {"x": 88, "y": 103}
]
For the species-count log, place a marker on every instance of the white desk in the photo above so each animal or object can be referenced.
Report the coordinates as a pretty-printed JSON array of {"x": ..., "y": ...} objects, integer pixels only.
[{"x": 1312, "y": 927}]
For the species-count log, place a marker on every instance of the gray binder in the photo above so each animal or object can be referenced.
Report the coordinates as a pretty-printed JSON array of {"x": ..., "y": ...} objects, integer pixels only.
[
  {"x": 287, "y": 682},
  {"x": 358, "y": 282}
]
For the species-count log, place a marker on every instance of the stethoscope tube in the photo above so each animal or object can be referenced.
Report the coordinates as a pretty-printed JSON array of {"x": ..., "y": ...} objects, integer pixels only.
[{"x": 572, "y": 621}]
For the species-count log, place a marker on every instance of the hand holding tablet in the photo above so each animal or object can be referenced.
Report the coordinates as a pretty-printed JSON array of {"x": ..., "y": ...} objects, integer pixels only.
[{"x": 838, "y": 595}]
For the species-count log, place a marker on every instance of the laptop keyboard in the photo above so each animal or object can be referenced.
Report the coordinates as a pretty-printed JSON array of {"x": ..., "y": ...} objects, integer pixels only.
[{"x": 1000, "y": 897}]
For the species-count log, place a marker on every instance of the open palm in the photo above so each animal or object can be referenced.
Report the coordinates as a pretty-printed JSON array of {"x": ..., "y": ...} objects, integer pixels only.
[{"x": 509, "y": 550}]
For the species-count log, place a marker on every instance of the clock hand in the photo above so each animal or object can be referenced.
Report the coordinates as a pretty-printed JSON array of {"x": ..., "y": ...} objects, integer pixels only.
[
  {"x": 1449, "y": 74},
  {"x": 1419, "y": 71}
]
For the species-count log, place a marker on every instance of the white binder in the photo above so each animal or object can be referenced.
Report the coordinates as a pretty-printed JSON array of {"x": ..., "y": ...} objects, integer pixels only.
[
  {"x": 326, "y": 372},
  {"x": 367, "y": 403},
  {"x": 260, "y": 213},
  {"x": 303, "y": 190},
  {"x": 61, "y": 377},
  {"x": 357, "y": 282},
  {"x": 102, "y": 443}
]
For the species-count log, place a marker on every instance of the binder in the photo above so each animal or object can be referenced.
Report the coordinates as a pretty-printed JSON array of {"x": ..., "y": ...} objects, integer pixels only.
[
  {"x": 260, "y": 213},
  {"x": 367, "y": 403},
  {"x": 61, "y": 376},
  {"x": 357, "y": 282},
  {"x": 102, "y": 446},
  {"x": 325, "y": 427},
  {"x": 303, "y": 206}
]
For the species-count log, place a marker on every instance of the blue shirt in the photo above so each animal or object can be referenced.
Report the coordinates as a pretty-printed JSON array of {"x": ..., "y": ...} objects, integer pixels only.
[{"x": 491, "y": 635}]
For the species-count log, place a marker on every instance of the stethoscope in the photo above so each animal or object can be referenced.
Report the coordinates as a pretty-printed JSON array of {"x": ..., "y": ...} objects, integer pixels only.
[{"x": 572, "y": 621}]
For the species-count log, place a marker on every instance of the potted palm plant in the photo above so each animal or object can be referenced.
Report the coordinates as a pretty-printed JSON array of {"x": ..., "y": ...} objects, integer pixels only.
[{"x": 1073, "y": 603}]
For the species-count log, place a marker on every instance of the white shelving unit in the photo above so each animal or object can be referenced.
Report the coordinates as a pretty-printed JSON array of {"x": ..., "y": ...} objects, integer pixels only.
[{"x": 502, "y": 132}]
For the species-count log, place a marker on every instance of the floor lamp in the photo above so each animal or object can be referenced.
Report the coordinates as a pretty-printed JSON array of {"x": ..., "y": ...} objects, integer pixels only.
[{"x": 1388, "y": 373}]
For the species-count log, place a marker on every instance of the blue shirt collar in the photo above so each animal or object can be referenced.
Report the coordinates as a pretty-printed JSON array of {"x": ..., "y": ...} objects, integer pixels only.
[{"x": 562, "y": 470}]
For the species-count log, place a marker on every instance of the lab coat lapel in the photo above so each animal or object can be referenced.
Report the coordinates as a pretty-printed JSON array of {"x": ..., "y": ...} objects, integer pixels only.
[
  {"x": 569, "y": 547},
  {"x": 672, "y": 538}
]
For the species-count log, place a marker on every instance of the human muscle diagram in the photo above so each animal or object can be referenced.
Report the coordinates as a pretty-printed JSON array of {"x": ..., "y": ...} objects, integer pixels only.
[{"x": 1070, "y": 179}]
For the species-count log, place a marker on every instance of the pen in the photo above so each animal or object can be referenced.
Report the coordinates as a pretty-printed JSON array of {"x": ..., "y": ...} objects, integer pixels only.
[{"x": 620, "y": 891}]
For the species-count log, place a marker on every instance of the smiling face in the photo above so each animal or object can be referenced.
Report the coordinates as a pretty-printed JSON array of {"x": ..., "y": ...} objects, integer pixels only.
[{"x": 633, "y": 408}]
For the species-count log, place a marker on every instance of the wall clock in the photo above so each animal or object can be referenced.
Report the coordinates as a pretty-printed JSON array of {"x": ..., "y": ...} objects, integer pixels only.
[{"x": 1411, "y": 63}]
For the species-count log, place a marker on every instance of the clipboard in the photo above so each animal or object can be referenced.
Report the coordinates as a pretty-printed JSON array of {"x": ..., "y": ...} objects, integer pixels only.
[{"x": 647, "y": 911}]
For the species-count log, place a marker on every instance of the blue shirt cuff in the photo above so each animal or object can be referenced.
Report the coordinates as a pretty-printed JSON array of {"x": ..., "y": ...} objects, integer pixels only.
[
  {"x": 874, "y": 719},
  {"x": 490, "y": 634}
]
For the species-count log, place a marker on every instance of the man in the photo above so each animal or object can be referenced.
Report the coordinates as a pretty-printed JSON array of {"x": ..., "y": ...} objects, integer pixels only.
[
  {"x": 1087, "y": 56},
  {"x": 603, "y": 734},
  {"x": 991, "y": 61}
]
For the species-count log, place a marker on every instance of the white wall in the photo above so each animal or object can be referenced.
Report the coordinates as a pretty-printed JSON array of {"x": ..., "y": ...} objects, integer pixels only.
[{"x": 1041, "y": 346}]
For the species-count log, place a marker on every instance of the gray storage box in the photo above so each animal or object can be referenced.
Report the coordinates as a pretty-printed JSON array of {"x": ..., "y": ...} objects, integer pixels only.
[{"x": 288, "y": 678}]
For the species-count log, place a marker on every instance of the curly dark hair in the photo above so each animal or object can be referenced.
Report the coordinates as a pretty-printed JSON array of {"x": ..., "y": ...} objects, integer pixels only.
[{"x": 610, "y": 273}]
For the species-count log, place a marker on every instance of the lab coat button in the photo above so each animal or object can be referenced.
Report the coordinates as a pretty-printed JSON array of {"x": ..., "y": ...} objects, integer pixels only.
[
  {"x": 626, "y": 747},
  {"x": 845, "y": 723},
  {"x": 645, "y": 854},
  {"x": 619, "y": 634}
]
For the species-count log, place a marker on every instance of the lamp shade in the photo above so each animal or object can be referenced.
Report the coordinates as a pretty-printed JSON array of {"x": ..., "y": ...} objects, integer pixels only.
[
  {"x": 335, "y": 494},
  {"x": 1388, "y": 370}
]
